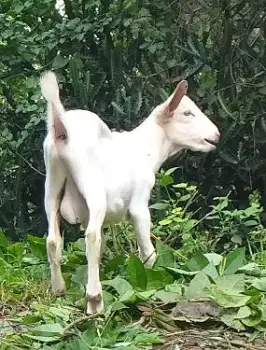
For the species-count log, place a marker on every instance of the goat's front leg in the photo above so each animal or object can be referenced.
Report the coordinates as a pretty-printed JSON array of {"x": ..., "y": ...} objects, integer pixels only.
[{"x": 141, "y": 220}]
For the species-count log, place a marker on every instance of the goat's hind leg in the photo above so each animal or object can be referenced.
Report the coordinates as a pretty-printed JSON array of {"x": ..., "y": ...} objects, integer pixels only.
[
  {"x": 89, "y": 182},
  {"x": 54, "y": 183}
]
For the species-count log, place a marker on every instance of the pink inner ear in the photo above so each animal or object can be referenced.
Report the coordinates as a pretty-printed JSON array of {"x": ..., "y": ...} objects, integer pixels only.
[{"x": 180, "y": 91}]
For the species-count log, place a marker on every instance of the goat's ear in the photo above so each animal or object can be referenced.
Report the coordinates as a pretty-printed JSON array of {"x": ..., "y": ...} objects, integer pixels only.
[
  {"x": 176, "y": 97},
  {"x": 173, "y": 101}
]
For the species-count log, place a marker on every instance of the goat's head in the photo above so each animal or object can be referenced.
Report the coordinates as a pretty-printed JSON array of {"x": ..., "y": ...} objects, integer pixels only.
[{"x": 184, "y": 123}]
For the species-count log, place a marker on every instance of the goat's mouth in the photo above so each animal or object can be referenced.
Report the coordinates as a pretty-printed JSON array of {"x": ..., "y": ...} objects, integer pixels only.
[{"x": 211, "y": 142}]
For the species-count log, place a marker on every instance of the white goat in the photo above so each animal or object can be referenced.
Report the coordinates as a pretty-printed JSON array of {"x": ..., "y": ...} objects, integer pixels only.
[{"x": 95, "y": 177}]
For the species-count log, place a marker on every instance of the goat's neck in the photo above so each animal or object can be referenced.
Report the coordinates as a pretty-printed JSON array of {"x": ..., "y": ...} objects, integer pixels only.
[{"x": 154, "y": 143}]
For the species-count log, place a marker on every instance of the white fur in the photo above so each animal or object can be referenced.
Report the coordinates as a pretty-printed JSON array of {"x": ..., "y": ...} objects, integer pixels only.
[{"x": 112, "y": 174}]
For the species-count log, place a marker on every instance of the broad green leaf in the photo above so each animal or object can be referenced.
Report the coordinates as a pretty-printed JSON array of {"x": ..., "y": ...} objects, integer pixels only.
[
  {"x": 235, "y": 282},
  {"x": 251, "y": 269},
  {"x": 158, "y": 279},
  {"x": 197, "y": 287},
  {"x": 15, "y": 252},
  {"x": 43, "y": 339},
  {"x": 243, "y": 312},
  {"x": 61, "y": 312},
  {"x": 197, "y": 262},
  {"x": 60, "y": 62},
  {"x": 253, "y": 320},
  {"x": 166, "y": 180},
  {"x": 234, "y": 261},
  {"x": 119, "y": 284},
  {"x": 115, "y": 263},
  {"x": 37, "y": 246},
  {"x": 214, "y": 258},
  {"x": 80, "y": 275},
  {"x": 227, "y": 298},
  {"x": 144, "y": 296},
  {"x": 229, "y": 319},
  {"x": 260, "y": 284},
  {"x": 167, "y": 297},
  {"x": 250, "y": 223},
  {"x": 148, "y": 338},
  {"x": 129, "y": 296},
  {"x": 165, "y": 255},
  {"x": 174, "y": 287},
  {"x": 136, "y": 273},
  {"x": 48, "y": 330},
  {"x": 211, "y": 271}
]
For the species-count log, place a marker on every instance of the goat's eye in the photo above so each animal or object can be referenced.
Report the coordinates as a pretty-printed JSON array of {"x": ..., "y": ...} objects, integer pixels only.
[{"x": 187, "y": 113}]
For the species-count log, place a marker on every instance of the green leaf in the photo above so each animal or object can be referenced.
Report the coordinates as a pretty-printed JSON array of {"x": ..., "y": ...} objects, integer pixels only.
[
  {"x": 251, "y": 269},
  {"x": 197, "y": 287},
  {"x": 167, "y": 297},
  {"x": 250, "y": 223},
  {"x": 80, "y": 275},
  {"x": 165, "y": 222},
  {"x": 228, "y": 318},
  {"x": 136, "y": 273},
  {"x": 181, "y": 185},
  {"x": 119, "y": 284},
  {"x": 234, "y": 261},
  {"x": 170, "y": 171},
  {"x": 234, "y": 282},
  {"x": 159, "y": 206},
  {"x": 165, "y": 255},
  {"x": 15, "y": 252},
  {"x": 146, "y": 295},
  {"x": 48, "y": 330},
  {"x": 148, "y": 338},
  {"x": 243, "y": 312},
  {"x": 214, "y": 258},
  {"x": 3, "y": 240},
  {"x": 37, "y": 246},
  {"x": 227, "y": 298},
  {"x": 60, "y": 62},
  {"x": 260, "y": 284},
  {"x": 197, "y": 262},
  {"x": 166, "y": 180},
  {"x": 158, "y": 279}
]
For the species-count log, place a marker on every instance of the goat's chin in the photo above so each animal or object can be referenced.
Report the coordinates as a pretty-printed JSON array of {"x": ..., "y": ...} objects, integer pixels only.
[{"x": 203, "y": 147}]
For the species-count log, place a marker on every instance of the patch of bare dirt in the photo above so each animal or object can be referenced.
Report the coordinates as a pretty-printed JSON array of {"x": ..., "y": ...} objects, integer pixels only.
[{"x": 212, "y": 339}]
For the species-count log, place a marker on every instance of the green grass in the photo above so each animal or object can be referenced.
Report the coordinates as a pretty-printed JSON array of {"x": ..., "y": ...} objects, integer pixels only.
[
  {"x": 210, "y": 270},
  {"x": 142, "y": 305}
]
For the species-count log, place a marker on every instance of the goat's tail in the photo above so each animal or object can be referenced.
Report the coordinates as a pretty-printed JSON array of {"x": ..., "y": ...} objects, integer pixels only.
[{"x": 50, "y": 91}]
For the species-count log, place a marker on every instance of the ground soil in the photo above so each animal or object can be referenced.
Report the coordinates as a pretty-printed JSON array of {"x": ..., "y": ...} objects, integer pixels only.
[{"x": 210, "y": 339}]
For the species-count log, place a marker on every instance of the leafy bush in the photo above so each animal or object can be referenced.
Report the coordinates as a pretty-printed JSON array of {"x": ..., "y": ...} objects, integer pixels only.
[{"x": 222, "y": 228}]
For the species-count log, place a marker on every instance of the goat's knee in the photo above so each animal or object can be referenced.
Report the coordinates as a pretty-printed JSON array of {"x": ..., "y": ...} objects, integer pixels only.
[{"x": 141, "y": 222}]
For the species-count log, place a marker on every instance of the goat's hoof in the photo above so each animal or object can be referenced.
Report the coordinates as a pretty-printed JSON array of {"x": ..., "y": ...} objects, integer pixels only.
[
  {"x": 95, "y": 305},
  {"x": 95, "y": 299},
  {"x": 58, "y": 286}
]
